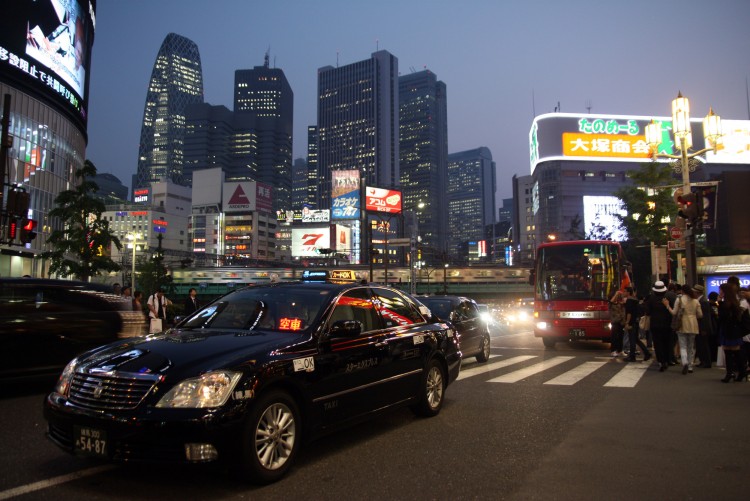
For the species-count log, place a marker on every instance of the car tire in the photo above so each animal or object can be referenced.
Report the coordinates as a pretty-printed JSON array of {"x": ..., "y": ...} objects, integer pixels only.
[
  {"x": 548, "y": 342},
  {"x": 431, "y": 390},
  {"x": 484, "y": 349},
  {"x": 272, "y": 438}
]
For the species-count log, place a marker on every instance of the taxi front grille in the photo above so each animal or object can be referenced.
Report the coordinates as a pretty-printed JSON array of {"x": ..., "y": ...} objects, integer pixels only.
[{"x": 111, "y": 391}]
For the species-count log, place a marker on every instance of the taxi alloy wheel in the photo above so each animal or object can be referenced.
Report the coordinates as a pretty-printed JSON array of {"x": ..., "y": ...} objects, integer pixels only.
[
  {"x": 430, "y": 400},
  {"x": 273, "y": 437}
]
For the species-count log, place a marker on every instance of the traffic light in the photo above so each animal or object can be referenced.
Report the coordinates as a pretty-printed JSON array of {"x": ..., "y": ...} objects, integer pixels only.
[
  {"x": 689, "y": 210},
  {"x": 12, "y": 229},
  {"x": 27, "y": 232}
]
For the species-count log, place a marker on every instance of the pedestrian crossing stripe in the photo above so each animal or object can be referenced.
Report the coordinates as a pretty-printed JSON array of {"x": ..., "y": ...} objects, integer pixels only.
[{"x": 627, "y": 377}]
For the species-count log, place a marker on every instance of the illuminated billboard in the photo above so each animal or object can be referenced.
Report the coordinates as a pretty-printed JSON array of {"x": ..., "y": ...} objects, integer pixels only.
[
  {"x": 345, "y": 199},
  {"x": 600, "y": 218},
  {"x": 307, "y": 242},
  {"x": 45, "y": 47},
  {"x": 734, "y": 147},
  {"x": 382, "y": 200},
  {"x": 247, "y": 196}
]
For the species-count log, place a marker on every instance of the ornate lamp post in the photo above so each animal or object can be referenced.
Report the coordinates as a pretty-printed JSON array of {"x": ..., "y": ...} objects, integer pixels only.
[{"x": 683, "y": 139}]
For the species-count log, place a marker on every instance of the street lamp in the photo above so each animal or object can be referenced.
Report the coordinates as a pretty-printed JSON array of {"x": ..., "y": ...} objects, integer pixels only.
[
  {"x": 445, "y": 279},
  {"x": 413, "y": 246},
  {"x": 683, "y": 138},
  {"x": 133, "y": 237}
]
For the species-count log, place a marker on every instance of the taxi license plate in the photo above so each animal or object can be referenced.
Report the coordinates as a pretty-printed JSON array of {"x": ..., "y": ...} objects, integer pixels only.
[
  {"x": 90, "y": 441},
  {"x": 576, "y": 333}
]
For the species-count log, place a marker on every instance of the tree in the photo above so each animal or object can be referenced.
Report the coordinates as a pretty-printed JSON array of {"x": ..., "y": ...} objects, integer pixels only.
[
  {"x": 575, "y": 232},
  {"x": 81, "y": 248},
  {"x": 649, "y": 211},
  {"x": 649, "y": 206}
]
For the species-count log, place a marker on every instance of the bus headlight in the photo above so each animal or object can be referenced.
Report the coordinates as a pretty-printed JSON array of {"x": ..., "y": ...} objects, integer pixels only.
[{"x": 541, "y": 326}]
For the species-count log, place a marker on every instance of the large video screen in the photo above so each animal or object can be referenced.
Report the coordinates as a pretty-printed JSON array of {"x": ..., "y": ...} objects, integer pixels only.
[{"x": 45, "y": 46}]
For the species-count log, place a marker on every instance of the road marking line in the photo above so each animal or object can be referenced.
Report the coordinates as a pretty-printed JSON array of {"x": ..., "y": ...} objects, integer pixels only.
[
  {"x": 485, "y": 368},
  {"x": 628, "y": 376},
  {"x": 44, "y": 484},
  {"x": 574, "y": 375},
  {"x": 520, "y": 374}
]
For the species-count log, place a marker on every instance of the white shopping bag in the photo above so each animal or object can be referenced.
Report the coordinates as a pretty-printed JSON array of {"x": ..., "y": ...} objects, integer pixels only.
[
  {"x": 155, "y": 326},
  {"x": 720, "y": 357}
]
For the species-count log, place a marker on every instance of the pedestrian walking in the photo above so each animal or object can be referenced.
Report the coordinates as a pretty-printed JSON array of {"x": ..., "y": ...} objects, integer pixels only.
[
  {"x": 617, "y": 320},
  {"x": 632, "y": 317},
  {"x": 687, "y": 310},
  {"x": 706, "y": 329},
  {"x": 730, "y": 333},
  {"x": 660, "y": 324}
]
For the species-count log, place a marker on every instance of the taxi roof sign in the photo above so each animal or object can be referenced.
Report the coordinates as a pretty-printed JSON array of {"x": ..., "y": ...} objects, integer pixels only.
[{"x": 330, "y": 276}]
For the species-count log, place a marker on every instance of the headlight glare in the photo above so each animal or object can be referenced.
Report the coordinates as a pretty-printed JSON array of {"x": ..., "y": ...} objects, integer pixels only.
[
  {"x": 63, "y": 382},
  {"x": 209, "y": 390}
]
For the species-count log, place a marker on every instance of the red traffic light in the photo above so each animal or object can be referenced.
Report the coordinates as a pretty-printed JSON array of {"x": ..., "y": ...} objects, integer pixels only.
[
  {"x": 27, "y": 232},
  {"x": 12, "y": 229}
]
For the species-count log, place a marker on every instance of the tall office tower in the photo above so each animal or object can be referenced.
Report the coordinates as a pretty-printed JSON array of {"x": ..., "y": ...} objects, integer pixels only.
[
  {"x": 264, "y": 109},
  {"x": 358, "y": 122},
  {"x": 524, "y": 224},
  {"x": 299, "y": 183},
  {"x": 471, "y": 198},
  {"x": 424, "y": 154},
  {"x": 312, "y": 167},
  {"x": 209, "y": 134},
  {"x": 176, "y": 82}
]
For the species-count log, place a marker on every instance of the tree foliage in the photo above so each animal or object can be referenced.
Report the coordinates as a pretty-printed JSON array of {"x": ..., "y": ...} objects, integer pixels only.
[
  {"x": 649, "y": 206},
  {"x": 81, "y": 248}
]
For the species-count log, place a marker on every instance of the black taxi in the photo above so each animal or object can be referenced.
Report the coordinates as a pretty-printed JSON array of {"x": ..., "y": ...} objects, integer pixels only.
[{"x": 251, "y": 375}]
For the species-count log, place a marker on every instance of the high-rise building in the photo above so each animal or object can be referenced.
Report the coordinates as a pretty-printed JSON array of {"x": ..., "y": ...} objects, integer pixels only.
[
  {"x": 524, "y": 225},
  {"x": 358, "y": 122},
  {"x": 358, "y": 130},
  {"x": 209, "y": 134},
  {"x": 176, "y": 82},
  {"x": 471, "y": 198},
  {"x": 299, "y": 183},
  {"x": 312, "y": 167},
  {"x": 264, "y": 109},
  {"x": 423, "y": 152}
]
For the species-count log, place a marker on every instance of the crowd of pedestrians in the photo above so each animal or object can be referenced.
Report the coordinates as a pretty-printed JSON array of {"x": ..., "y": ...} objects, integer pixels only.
[
  {"x": 686, "y": 326},
  {"x": 156, "y": 306}
]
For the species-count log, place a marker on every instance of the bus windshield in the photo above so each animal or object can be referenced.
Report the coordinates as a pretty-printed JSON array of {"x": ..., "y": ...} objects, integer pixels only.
[{"x": 577, "y": 270}]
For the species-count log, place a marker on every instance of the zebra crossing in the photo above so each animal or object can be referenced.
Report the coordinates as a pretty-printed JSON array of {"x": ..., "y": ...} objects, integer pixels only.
[{"x": 627, "y": 375}]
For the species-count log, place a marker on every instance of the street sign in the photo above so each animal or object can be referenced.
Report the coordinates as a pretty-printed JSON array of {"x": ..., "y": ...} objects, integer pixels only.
[
  {"x": 676, "y": 233},
  {"x": 675, "y": 245}
]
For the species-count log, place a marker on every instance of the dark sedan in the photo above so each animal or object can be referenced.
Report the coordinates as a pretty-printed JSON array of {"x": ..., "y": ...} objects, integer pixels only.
[
  {"x": 251, "y": 375},
  {"x": 44, "y": 323},
  {"x": 463, "y": 313}
]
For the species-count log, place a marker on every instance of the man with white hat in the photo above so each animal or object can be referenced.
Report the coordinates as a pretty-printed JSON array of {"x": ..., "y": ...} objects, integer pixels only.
[{"x": 660, "y": 324}]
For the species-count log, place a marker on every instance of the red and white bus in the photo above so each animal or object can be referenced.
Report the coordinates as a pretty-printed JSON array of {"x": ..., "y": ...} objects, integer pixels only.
[{"x": 573, "y": 282}]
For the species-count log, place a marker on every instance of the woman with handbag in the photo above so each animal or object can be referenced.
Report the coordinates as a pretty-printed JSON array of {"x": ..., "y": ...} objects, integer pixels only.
[{"x": 685, "y": 315}]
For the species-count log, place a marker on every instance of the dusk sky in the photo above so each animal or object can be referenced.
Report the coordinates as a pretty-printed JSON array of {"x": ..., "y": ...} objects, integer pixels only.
[{"x": 501, "y": 60}]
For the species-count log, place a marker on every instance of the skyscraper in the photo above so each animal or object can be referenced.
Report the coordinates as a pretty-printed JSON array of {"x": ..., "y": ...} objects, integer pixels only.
[
  {"x": 358, "y": 122},
  {"x": 312, "y": 167},
  {"x": 471, "y": 198},
  {"x": 424, "y": 153},
  {"x": 176, "y": 82},
  {"x": 264, "y": 108}
]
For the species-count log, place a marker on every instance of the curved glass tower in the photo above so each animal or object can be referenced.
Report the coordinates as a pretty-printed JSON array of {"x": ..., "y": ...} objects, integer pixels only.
[{"x": 176, "y": 82}]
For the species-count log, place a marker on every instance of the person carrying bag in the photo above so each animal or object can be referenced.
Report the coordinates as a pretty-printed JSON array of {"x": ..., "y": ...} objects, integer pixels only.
[{"x": 157, "y": 311}]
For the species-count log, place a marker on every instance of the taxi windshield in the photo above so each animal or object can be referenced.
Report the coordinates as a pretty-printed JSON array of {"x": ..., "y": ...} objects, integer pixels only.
[{"x": 262, "y": 308}]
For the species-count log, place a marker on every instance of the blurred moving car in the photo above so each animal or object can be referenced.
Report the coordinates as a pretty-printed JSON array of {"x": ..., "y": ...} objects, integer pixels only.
[
  {"x": 464, "y": 314},
  {"x": 246, "y": 378},
  {"x": 44, "y": 323}
]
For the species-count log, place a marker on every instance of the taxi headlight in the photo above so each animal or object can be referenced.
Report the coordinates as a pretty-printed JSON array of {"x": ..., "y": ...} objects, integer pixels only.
[
  {"x": 211, "y": 389},
  {"x": 63, "y": 382}
]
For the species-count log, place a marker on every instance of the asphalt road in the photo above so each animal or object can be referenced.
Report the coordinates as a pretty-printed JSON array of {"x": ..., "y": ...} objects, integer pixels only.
[{"x": 583, "y": 426}]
